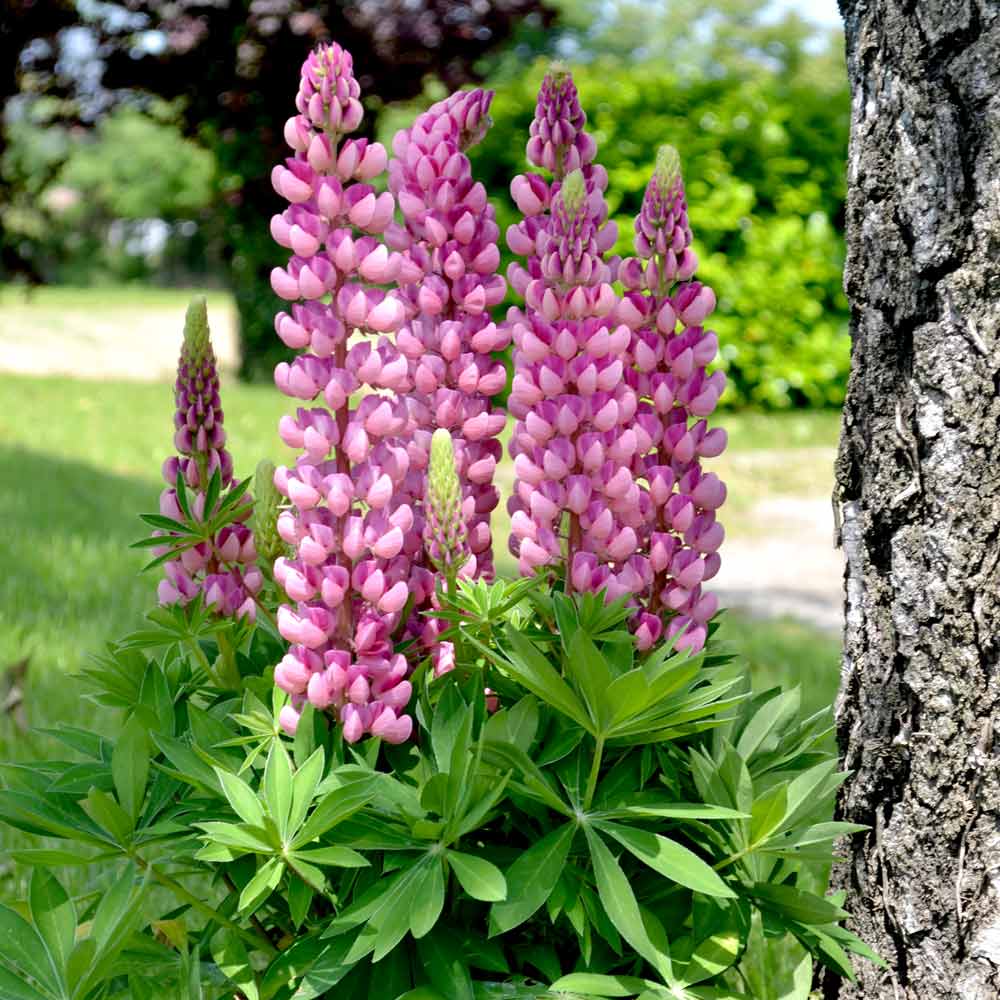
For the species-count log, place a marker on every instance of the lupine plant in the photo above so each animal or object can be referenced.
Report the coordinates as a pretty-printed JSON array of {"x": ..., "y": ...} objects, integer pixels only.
[{"x": 353, "y": 763}]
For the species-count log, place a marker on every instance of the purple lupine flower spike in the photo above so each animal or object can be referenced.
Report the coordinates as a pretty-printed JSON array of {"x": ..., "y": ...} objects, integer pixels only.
[
  {"x": 221, "y": 570},
  {"x": 575, "y": 500},
  {"x": 355, "y": 532},
  {"x": 449, "y": 237},
  {"x": 681, "y": 533}
]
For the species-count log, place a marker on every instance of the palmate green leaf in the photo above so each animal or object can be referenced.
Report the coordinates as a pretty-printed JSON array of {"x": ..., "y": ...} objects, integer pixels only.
[
  {"x": 670, "y": 859},
  {"x": 531, "y": 879},
  {"x": 24, "y": 951},
  {"x": 278, "y": 786},
  {"x": 478, "y": 877},
  {"x": 479, "y": 809},
  {"x": 241, "y": 797},
  {"x": 596, "y": 985},
  {"x": 532, "y": 670},
  {"x": 620, "y": 904},
  {"x": 54, "y": 916}
]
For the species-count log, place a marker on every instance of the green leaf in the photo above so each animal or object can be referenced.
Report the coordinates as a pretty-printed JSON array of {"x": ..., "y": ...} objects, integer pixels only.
[
  {"x": 261, "y": 885},
  {"x": 242, "y": 839},
  {"x": 478, "y": 877},
  {"x": 105, "y": 811},
  {"x": 712, "y": 957},
  {"x": 54, "y": 859},
  {"x": 620, "y": 904},
  {"x": 771, "y": 716},
  {"x": 230, "y": 955},
  {"x": 278, "y": 786},
  {"x": 25, "y": 951},
  {"x": 669, "y": 858},
  {"x": 337, "y": 857},
  {"x": 768, "y": 813},
  {"x": 300, "y": 897},
  {"x": 12, "y": 987},
  {"x": 685, "y": 810},
  {"x": 163, "y": 523},
  {"x": 794, "y": 904},
  {"x": 130, "y": 767},
  {"x": 334, "y": 808},
  {"x": 600, "y": 986},
  {"x": 447, "y": 724},
  {"x": 113, "y": 908},
  {"x": 428, "y": 904},
  {"x": 54, "y": 917},
  {"x": 444, "y": 962},
  {"x": 304, "y": 784},
  {"x": 531, "y": 879},
  {"x": 590, "y": 672},
  {"x": 241, "y": 797},
  {"x": 530, "y": 668}
]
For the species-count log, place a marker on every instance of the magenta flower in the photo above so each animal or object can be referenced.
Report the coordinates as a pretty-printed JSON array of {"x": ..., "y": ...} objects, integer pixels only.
[
  {"x": 356, "y": 575},
  {"x": 222, "y": 570},
  {"x": 670, "y": 349},
  {"x": 449, "y": 238}
]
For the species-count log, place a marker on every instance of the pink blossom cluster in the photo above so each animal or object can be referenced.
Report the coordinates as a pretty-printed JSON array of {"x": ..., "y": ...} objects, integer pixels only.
[
  {"x": 222, "y": 570},
  {"x": 610, "y": 398},
  {"x": 356, "y": 573},
  {"x": 449, "y": 233},
  {"x": 666, "y": 310}
]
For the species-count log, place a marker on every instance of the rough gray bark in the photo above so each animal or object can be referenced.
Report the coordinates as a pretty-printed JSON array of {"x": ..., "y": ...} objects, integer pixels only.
[{"x": 918, "y": 488}]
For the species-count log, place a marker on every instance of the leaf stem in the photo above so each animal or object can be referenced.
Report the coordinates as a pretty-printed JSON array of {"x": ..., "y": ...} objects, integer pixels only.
[
  {"x": 595, "y": 770},
  {"x": 193, "y": 901}
]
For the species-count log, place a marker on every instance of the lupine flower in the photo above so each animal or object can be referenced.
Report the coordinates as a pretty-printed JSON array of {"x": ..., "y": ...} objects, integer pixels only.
[
  {"x": 222, "y": 570},
  {"x": 449, "y": 238},
  {"x": 354, "y": 531},
  {"x": 681, "y": 533},
  {"x": 445, "y": 533},
  {"x": 574, "y": 439}
]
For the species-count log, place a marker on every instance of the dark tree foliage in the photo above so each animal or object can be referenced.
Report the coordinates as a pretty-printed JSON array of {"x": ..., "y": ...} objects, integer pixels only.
[{"x": 235, "y": 64}]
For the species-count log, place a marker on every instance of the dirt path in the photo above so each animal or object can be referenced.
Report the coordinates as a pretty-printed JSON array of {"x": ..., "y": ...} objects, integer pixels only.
[
  {"x": 118, "y": 341},
  {"x": 793, "y": 571}
]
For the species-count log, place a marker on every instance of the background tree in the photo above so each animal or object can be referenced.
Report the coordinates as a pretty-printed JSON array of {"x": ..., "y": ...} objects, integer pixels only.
[
  {"x": 919, "y": 490},
  {"x": 231, "y": 66}
]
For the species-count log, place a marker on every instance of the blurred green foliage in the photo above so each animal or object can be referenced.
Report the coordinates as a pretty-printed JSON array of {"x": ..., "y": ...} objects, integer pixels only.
[
  {"x": 763, "y": 160},
  {"x": 83, "y": 199}
]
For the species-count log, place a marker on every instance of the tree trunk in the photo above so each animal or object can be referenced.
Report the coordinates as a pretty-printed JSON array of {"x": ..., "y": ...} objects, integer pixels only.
[{"x": 918, "y": 489}]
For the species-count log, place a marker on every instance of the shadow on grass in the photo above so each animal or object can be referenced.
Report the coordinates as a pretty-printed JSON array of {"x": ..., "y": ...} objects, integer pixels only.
[{"x": 68, "y": 582}]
